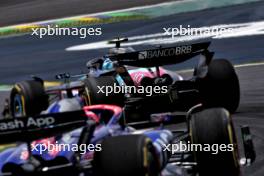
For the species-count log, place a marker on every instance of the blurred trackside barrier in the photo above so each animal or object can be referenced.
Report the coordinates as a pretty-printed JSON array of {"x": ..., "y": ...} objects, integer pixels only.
[
  {"x": 71, "y": 22},
  {"x": 145, "y": 12}
]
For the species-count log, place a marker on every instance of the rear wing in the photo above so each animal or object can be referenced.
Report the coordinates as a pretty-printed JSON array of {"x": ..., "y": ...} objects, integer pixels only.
[
  {"x": 161, "y": 56},
  {"x": 27, "y": 129}
]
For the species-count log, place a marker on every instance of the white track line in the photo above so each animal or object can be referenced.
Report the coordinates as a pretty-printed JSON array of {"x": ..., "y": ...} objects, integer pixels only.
[
  {"x": 236, "y": 66},
  {"x": 249, "y": 64}
]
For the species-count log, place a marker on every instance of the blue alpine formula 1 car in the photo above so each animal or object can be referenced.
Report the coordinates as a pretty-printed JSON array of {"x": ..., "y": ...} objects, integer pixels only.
[
  {"x": 71, "y": 139},
  {"x": 137, "y": 80}
]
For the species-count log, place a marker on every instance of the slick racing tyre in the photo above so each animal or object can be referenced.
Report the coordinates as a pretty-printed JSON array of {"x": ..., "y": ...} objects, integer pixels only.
[
  {"x": 213, "y": 128},
  {"x": 28, "y": 98},
  {"x": 220, "y": 87},
  {"x": 100, "y": 90},
  {"x": 128, "y": 155}
]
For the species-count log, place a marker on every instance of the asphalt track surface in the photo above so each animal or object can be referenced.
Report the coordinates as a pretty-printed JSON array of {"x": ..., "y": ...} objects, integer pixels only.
[
  {"x": 251, "y": 112},
  {"x": 25, "y": 55},
  {"x": 21, "y": 11}
]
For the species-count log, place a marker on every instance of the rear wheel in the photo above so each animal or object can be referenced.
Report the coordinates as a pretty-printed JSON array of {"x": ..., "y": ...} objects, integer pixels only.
[
  {"x": 127, "y": 155},
  {"x": 28, "y": 98},
  {"x": 220, "y": 87},
  {"x": 213, "y": 128}
]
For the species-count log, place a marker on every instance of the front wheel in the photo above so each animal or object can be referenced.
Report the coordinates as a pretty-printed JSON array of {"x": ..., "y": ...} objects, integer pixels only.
[
  {"x": 214, "y": 128},
  {"x": 128, "y": 155},
  {"x": 93, "y": 87}
]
